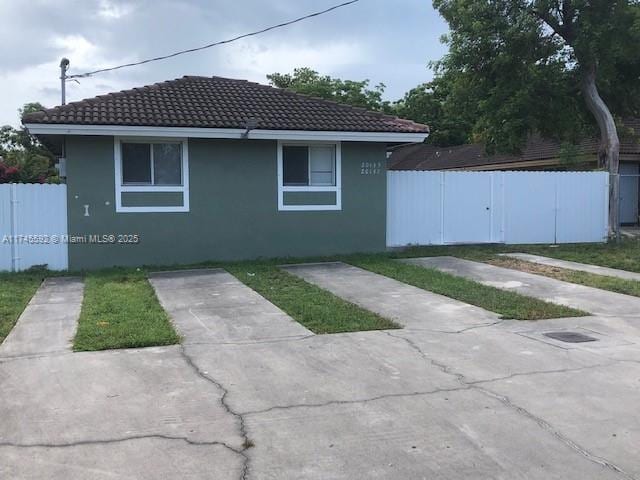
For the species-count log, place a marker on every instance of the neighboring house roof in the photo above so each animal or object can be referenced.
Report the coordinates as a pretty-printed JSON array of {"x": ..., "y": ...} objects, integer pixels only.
[
  {"x": 537, "y": 150},
  {"x": 215, "y": 102}
]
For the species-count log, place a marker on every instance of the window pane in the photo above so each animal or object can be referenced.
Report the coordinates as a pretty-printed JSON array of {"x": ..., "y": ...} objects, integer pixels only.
[
  {"x": 136, "y": 163},
  {"x": 167, "y": 164},
  {"x": 295, "y": 165},
  {"x": 323, "y": 165}
]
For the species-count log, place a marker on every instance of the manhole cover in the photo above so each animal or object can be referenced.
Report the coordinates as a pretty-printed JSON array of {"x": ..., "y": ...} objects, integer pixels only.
[{"x": 570, "y": 337}]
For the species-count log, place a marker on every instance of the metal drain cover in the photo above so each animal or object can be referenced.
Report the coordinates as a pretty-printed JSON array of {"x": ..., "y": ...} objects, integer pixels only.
[{"x": 570, "y": 337}]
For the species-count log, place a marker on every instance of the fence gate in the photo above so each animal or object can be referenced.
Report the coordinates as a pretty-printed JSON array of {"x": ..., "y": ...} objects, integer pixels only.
[
  {"x": 33, "y": 226},
  {"x": 467, "y": 217},
  {"x": 441, "y": 208}
]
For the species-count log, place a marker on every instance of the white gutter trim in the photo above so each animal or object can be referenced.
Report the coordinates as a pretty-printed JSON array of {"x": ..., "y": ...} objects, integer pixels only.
[{"x": 182, "y": 132}]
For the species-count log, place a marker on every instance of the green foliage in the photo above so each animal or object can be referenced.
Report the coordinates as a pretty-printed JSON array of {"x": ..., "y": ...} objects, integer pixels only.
[
  {"x": 25, "y": 159},
  {"x": 355, "y": 93},
  {"x": 30, "y": 167},
  {"x": 450, "y": 116},
  {"x": 519, "y": 64}
]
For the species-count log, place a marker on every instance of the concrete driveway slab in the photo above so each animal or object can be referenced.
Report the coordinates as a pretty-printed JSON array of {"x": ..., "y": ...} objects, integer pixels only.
[
  {"x": 318, "y": 369},
  {"x": 583, "y": 267},
  {"x": 593, "y": 300},
  {"x": 490, "y": 353},
  {"x": 452, "y": 435},
  {"x": 407, "y": 305},
  {"x": 212, "y": 306},
  {"x": 49, "y": 321},
  {"x": 114, "y": 395},
  {"x": 599, "y": 406}
]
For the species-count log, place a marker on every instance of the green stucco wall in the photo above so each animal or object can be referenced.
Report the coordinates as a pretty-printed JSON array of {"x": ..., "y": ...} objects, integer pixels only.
[
  {"x": 150, "y": 199},
  {"x": 233, "y": 208},
  {"x": 309, "y": 198}
]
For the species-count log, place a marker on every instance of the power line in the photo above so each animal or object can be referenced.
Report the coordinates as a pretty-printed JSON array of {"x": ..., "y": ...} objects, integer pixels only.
[{"x": 203, "y": 47}]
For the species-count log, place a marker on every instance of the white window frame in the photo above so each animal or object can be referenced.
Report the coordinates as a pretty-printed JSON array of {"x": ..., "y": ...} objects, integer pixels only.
[
  {"x": 120, "y": 188},
  {"x": 337, "y": 188}
]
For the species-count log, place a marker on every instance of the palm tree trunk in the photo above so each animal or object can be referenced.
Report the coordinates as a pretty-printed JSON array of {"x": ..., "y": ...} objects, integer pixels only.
[{"x": 609, "y": 150}]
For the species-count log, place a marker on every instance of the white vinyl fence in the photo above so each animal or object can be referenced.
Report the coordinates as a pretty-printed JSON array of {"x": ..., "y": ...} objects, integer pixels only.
[
  {"x": 33, "y": 226},
  {"x": 441, "y": 208}
]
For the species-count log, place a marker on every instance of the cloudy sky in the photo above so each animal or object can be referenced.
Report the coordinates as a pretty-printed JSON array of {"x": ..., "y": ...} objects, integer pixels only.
[{"x": 388, "y": 41}]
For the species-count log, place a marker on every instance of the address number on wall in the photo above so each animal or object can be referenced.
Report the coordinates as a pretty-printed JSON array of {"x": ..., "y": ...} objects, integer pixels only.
[{"x": 370, "y": 168}]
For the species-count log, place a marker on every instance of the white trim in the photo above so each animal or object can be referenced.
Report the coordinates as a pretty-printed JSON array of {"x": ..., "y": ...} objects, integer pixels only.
[
  {"x": 151, "y": 188},
  {"x": 337, "y": 188},
  {"x": 185, "y": 132},
  {"x": 316, "y": 188},
  {"x": 119, "y": 188}
]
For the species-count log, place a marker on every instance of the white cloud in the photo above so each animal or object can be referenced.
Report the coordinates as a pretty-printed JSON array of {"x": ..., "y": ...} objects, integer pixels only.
[
  {"x": 253, "y": 61},
  {"x": 113, "y": 11}
]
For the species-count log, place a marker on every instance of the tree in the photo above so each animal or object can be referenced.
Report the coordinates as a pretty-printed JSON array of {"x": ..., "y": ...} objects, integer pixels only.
[
  {"x": 450, "y": 116},
  {"x": 355, "y": 93},
  {"x": 24, "y": 158},
  {"x": 564, "y": 68}
]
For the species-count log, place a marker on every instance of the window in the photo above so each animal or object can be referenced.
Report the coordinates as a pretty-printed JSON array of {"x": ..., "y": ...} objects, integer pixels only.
[
  {"x": 309, "y": 176},
  {"x": 151, "y": 174},
  {"x": 309, "y": 165},
  {"x": 151, "y": 164}
]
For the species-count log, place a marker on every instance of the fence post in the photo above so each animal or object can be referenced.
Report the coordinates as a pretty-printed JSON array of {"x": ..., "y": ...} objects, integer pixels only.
[
  {"x": 443, "y": 180},
  {"x": 14, "y": 228}
]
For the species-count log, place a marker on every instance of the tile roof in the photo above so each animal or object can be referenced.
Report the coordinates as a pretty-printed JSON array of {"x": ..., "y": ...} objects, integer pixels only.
[
  {"x": 430, "y": 157},
  {"x": 215, "y": 102}
]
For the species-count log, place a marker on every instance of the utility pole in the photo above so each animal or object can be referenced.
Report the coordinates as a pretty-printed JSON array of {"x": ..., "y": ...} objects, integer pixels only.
[{"x": 64, "y": 66}]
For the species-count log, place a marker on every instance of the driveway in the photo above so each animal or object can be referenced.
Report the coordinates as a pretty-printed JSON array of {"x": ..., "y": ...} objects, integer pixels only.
[{"x": 252, "y": 394}]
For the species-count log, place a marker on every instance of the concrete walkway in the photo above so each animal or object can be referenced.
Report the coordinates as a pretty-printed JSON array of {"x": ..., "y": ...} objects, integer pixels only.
[
  {"x": 583, "y": 267},
  {"x": 407, "y": 305},
  {"x": 212, "y": 306},
  {"x": 48, "y": 323},
  {"x": 592, "y": 300}
]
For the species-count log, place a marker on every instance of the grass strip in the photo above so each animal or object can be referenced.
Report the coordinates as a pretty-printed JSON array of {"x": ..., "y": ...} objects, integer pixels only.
[
  {"x": 510, "y": 305},
  {"x": 624, "y": 255},
  {"x": 613, "y": 284},
  {"x": 121, "y": 310},
  {"x": 15, "y": 292},
  {"x": 315, "y": 308}
]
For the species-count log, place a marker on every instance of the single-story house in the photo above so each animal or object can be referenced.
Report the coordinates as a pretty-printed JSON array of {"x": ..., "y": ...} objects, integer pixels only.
[
  {"x": 537, "y": 154},
  {"x": 203, "y": 168}
]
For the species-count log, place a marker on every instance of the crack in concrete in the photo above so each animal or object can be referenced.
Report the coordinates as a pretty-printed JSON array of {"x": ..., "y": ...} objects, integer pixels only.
[
  {"x": 541, "y": 372},
  {"x": 506, "y": 401},
  {"x": 349, "y": 402},
  {"x": 33, "y": 356},
  {"x": 453, "y": 332},
  {"x": 247, "y": 443},
  {"x": 120, "y": 440},
  {"x": 294, "y": 338},
  {"x": 549, "y": 428}
]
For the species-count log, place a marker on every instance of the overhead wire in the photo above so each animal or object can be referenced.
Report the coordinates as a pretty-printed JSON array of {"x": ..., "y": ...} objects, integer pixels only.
[{"x": 214, "y": 44}]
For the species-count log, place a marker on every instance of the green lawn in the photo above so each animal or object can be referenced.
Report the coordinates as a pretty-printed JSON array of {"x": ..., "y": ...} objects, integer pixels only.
[
  {"x": 508, "y": 304},
  {"x": 625, "y": 255},
  {"x": 15, "y": 292},
  {"x": 619, "y": 285},
  {"x": 120, "y": 310},
  {"x": 317, "y": 309}
]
